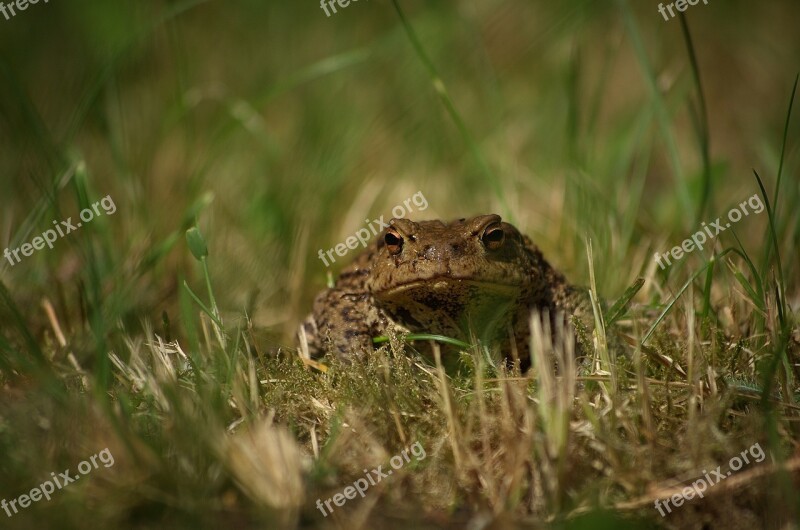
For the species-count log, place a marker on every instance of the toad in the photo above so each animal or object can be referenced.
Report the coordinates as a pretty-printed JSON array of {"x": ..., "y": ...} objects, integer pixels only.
[{"x": 472, "y": 278}]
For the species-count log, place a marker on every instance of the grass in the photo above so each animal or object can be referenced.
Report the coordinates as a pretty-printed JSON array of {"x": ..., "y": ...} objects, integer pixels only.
[{"x": 238, "y": 138}]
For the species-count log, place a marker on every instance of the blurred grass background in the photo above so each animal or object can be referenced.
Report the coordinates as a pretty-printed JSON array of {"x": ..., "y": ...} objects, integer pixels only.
[
  {"x": 279, "y": 130},
  {"x": 297, "y": 122}
]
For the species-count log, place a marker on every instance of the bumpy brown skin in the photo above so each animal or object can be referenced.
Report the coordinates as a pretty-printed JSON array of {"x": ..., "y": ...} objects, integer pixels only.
[{"x": 476, "y": 276}]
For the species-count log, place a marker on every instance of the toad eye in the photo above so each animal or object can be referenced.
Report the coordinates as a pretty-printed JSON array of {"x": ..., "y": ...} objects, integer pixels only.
[
  {"x": 493, "y": 237},
  {"x": 394, "y": 242}
]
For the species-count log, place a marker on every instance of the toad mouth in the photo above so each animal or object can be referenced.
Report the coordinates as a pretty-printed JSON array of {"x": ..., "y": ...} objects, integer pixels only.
[{"x": 445, "y": 283}]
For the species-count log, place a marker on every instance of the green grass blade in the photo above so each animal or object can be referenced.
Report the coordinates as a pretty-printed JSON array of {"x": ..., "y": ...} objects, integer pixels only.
[
  {"x": 618, "y": 309},
  {"x": 680, "y": 292},
  {"x": 768, "y": 251},
  {"x": 783, "y": 143},
  {"x": 780, "y": 279},
  {"x": 203, "y": 307},
  {"x": 441, "y": 90},
  {"x": 700, "y": 121},
  {"x": 425, "y": 336},
  {"x": 658, "y": 104}
]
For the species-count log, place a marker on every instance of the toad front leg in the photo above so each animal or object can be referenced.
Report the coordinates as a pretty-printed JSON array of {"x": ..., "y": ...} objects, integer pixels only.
[{"x": 343, "y": 322}]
